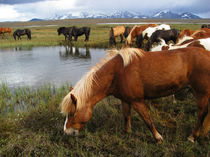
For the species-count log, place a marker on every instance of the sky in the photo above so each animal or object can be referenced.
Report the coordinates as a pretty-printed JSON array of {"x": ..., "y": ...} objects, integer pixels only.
[{"x": 23, "y": 10}]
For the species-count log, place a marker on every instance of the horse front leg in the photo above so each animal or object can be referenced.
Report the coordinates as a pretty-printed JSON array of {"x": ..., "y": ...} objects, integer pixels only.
[
  {"x": 121, "y": 37},
  {"x": 202, "y": 103},
  {"x": 142, "y": 110},
  {"x": 126, "y": 108}
]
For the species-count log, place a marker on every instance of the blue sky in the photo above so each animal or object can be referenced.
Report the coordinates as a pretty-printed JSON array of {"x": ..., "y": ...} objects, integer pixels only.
[{"x": 22, "y": 10}]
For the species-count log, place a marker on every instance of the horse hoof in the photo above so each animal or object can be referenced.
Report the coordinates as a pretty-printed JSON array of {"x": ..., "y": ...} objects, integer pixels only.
[{"x": 191, "y": 139}]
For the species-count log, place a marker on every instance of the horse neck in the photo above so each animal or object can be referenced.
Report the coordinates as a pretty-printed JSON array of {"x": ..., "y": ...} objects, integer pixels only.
[{"x": 102, "y": 83}]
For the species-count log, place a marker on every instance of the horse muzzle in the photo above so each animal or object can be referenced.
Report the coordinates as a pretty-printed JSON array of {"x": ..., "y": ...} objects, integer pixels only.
[{"x": 72, "y": 132}]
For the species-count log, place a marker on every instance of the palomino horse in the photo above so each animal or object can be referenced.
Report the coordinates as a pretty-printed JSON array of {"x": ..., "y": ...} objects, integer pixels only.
[
  {"x": 5, "y": 30},
  {"x": 136, "y": 31},
  {"x": 115, "y": 32},
  {"x": 133, "y": 75}
]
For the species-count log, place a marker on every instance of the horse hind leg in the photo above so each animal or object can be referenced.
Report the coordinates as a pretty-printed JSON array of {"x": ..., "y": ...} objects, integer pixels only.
[
  {"x": 202, "y": 103},
  {"x": 206, "y": 123},
  {"x": 126, "y": 108},
  {"x": 142, "y": 110}
]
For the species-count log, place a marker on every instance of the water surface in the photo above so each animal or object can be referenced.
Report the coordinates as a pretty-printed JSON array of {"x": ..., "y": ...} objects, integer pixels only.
[{"x": 40, "y": 65}]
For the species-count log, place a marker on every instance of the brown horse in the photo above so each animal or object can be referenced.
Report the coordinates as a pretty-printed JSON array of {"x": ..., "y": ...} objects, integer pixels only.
[
  {"x": 115, "y": 32},
  {"x": 5, "y": 30},
  {"x": 133, "y": 75},
  {"x": 136, "y": 31},
  {"x": 188, "y": 34}
]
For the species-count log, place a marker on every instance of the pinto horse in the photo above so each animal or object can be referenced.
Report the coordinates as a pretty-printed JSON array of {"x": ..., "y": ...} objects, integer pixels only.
[
  {"x": 5, "y": 30},
  {"x": 166, "y": 35},
  {"x": 147, "y": 33},
  {"x": 21, "y": 32},
  {"x": 136, "y": 31},
  {"x": 133, "y": 75},
  {"x": 75, "y": 31},
  {"x": 115, "y": 32}
]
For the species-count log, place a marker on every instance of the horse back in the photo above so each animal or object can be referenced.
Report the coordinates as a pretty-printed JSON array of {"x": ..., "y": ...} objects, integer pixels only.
[{"x": 158, "y": 74}]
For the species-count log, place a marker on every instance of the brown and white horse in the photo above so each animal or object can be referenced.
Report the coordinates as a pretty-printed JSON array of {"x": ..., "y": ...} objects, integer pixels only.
[
  {"x": 133, "y": 75},
  {"x": 136, "y": 31},
  {"x": 204, "y": 43}
]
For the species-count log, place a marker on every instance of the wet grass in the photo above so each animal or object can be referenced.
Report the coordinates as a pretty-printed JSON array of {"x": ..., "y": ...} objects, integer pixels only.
[{"x": 31, "y": 125}]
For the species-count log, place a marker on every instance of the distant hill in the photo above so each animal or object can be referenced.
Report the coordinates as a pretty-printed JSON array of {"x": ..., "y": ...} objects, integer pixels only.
[{"x": 35, "y": 19}]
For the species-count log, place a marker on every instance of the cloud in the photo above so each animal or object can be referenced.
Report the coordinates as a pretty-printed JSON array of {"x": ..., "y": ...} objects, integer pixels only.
[{"x": 18, "y": 1}]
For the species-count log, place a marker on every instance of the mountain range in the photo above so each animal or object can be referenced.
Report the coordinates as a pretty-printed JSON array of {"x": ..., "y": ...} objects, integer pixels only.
[{"x": 123, "y": 14}]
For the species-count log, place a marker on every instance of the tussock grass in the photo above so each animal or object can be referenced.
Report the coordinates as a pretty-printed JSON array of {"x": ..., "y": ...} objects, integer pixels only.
[{"x": 31, "y": 125}]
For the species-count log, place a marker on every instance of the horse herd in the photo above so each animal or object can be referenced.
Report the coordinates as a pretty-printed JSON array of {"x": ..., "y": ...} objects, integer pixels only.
[
  {"x": 181, "y": 59},
  {"x": 162, "y": 35}
]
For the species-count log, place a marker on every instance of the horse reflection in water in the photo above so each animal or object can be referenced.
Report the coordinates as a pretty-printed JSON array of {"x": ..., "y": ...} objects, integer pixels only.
[
  {"x": 75, "y": 52},
  {"x": 134, "y": 75}
]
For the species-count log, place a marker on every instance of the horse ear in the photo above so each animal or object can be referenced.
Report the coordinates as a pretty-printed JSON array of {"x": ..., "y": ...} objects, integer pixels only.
[
  {"x": 70, "y": 88},
  {"x": 74, "y": 100}
]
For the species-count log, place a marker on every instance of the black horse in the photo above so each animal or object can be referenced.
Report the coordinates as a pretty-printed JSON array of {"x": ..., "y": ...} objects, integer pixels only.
[
  {"x": 205, "y": 26},
  {"x": 65, "y": 31},
  {"x": 166, "y": 35},
  {"x": 21, "y": 32},
  {"x": 78, "y": 32}
]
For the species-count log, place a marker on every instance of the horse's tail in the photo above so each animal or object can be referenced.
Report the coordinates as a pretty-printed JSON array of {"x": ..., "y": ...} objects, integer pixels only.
[{"x": 206, "y": 122}]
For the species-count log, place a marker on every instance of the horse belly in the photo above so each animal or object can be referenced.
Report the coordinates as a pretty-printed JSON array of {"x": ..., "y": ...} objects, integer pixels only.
[{"x": 165, "y": 80}]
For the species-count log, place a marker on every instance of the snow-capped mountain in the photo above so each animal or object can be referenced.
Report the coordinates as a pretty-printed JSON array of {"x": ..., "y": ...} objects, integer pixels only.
[
  {"x": 125, "y": 14},
  {"x": 116, "y": 14},
  {"x": 170, "y": 15}
]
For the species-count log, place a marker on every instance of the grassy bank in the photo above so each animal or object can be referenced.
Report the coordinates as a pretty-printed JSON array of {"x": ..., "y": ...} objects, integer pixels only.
[
  {"x": 31, "y": 125},
  {"x": 47, "y": 35}
]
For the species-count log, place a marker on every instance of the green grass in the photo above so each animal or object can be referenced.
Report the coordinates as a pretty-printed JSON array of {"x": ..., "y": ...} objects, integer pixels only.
[
  {"x": 47, "y": 36},
  {"x": 31, "y": 125}
]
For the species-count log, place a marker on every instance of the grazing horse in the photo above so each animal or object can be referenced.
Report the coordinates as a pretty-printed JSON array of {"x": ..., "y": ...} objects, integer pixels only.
[
  {"x": 21, "y": 32},
  {"x": 205, "y": 26},
  {"x": 115, "y": 32},
  {"x": 192, "y": 34},
  {"x": 204, "y": 43},
  {"x": 146, "y": 34},
  {"x": 5, "y": 30},
  {"x": 166, "y": 35},
  {"x": 127, "y": 31},
  {"x": 133, "y": 75},
  {"x": 136, "y": 31},
  {"x": 78, "y": 32},
  {"x": 64, "y": 30}
]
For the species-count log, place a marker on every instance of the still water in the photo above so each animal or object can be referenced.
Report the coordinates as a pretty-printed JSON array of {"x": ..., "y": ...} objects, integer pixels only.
[{"x": 40, "y": 65}]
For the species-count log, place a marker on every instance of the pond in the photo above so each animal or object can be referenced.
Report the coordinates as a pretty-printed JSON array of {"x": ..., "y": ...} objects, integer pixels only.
[{"x": 40, "y": 65}]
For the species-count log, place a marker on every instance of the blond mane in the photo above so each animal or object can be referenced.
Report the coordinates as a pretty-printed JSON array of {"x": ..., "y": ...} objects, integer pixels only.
[
  {"x": 83, "y": 87},
  {"x": 128, "y": 40}
]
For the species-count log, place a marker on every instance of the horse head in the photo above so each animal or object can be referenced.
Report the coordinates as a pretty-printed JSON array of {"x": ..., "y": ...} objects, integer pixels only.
[{"x": 75, "y": 117}]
